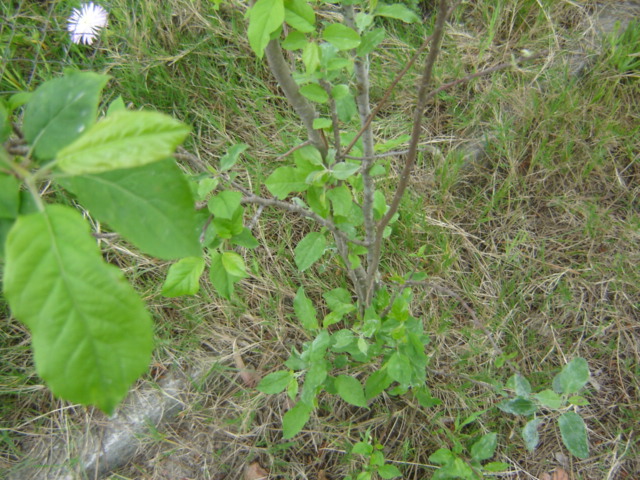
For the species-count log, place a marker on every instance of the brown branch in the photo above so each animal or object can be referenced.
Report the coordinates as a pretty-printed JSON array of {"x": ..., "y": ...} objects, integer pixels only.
[
  {"x": 486, "y": 71},
  {"x": 305, "y": 110},
  {"x": 416, "y": 131},
  {"x": 387, "y": 93},
  {"x": 290, "y": 207}
]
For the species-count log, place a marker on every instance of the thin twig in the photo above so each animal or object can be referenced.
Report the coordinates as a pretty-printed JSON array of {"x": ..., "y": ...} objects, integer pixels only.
[
  {"x": 290, "y": 207},
  {"x": 486, "y": 71},
  {"x": 305, "y": 110},
  {"x": 334, "y": 120},
  {"x": 397, "y": 153},
  {"x": 361, "y": 69},
  {"x": 387, "y": 93},
  {"x": 416, "y": 132},
  {"x": 291, "y": 150}
]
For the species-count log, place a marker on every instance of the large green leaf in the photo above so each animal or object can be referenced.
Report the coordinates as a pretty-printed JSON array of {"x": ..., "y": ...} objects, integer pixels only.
[
  {"x": 572, "y": 377},
  {"x": 350, "y": 390},
  {"x": 125, "y": 139},
  {"x": 309, "y": 250},
  {"x": 5, "y": 123},
  {"x": 295, "y": 419},
  {"x": 530, "y": 434},
  {"x": 61, "y": 110},
  {"x": 305, "y": 310},
  {"x": 183, "y": 277},
  {"x": 341, "y": 36},
  {"x": 265, "y": 17},
  {"x": 285, "y": 180},
  {"x": 222, "y": 280},
  {"x": 91, "y": 334},
  {"x": 275, "y": 382},
  {"x": 574, "y": 434},
  {"x": 300, "y": 15},
  {"x": 9, "y": 196},
  {"x": 485, "y": 447},
  {"x": 518, "y": 406},
  {"x": 151, "y": 206},
  {"x": 397, "y": 11}
]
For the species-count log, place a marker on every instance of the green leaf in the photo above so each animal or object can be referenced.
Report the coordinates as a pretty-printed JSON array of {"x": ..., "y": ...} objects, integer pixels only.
[
  {"x": 305, "y": 310},
  {"x": 234, "y": 264},
  {"x": 9, "y": 196},
  {"x": 343, "y": 170},
  {"x": 399, "y": 368},
  {"x": 151, "y": 206},
  {"x": 572, "y": 377},
  {"x": 245, "y": 239},
  {"x": 61, "y": 110},
  {"x": 183, "y": 277},
  {"x": 229, "y": 159},
  {"x": 295, "y": 419},
  {"x": 530, "y": 434},
  {"x": 341, "y": 36},
  {"x": 5, "y": 123},
  {"x": 275, "y": 382},
  {"x": 299, "y": 15},
  {"x": 370, "y": 41},
  {"x": 364, "y": 476},
  {"x": 578, "y": 400},
  {"x": 345, "y": 106},
  {"x": 389, "y": 471},
  {"x": 442, "y": 456},
  {"x": 311, "y": 56},
  {"x": 397, "y": 11},
  {"x": 5, "y": 227},
  {"x": 294, "y": 41},
  {"x": 362, "y": 448},
  {"x": 518, "y": 406},
  {"x": 19, "y": 99},
  {"x": 377, "y": 382},
  {"x": 292, "y": 388},
  {"x": 341, "y": 200},
  {"x": 265, "y": 17},
  {"x": 519, "y": 384},
  {"x": 225, "y": 204},
  {"x": 458, "y": 468},
  {"x": 123, "y": 140},
  {"x": 350, "y": 390},
  {"x": 322, "y": 123},
  {"x": 337, "y": 298},
  {"x": 495, "y": 467},
  {"x": 222, "y": 281},
  {"x": 91, "y": 334},
  {"x": 574, "y": 434},
  {"x": 309, "y": 250},
  {"x": 549, "y": 399},
  {"x": 285, "y": 180},
  {"x": 205, "y": 186},
  {"x": 314, "y": 92},
  {"x": 424, "y": 397},
  {"x": 484, "y": 448},
  {"x": 117, "y": 105}
]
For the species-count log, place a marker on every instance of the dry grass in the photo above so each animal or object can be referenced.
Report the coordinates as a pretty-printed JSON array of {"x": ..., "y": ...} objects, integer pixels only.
[{"x": 539, "y": 235}]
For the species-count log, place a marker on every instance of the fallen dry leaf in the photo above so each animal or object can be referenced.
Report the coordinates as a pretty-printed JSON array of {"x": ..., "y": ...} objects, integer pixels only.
[
  {"x": 254, "y": 471},
  {"x": 557, "y": 474},
  {"x": 249, "y": 376},
  {"x": 322, "y": 475}
]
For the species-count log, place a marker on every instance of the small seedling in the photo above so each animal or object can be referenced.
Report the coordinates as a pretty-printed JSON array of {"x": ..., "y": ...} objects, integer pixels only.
[{"x": 562, "y": 398}]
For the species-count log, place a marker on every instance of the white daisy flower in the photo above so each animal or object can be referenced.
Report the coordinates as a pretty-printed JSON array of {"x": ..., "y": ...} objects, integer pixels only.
[{"x": 85, "y": 23}]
